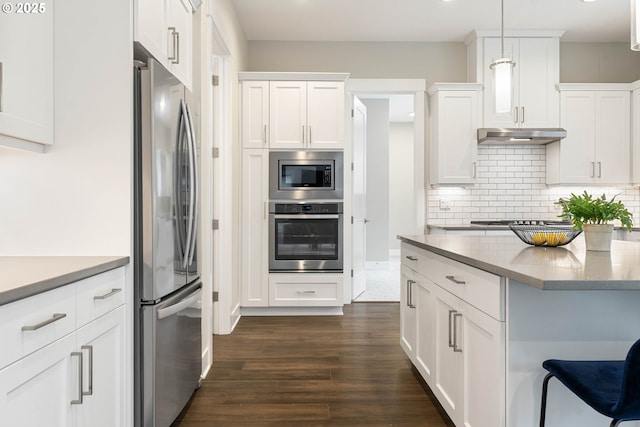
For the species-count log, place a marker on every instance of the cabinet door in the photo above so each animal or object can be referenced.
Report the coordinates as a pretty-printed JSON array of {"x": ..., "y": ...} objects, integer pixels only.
[
  {"x": 407, "y": 312},
  {"x": 424, "y": 300},
  {"x": 577, "y": 162},
  {"x": 493, "y": 51},
  {"x": 288, "y": 114},
  {"x": 538, "y": 74},
  {"x": 454, "y": 123},
  {"x": 449, "y": 362},
  {"x": 613, "y": 150},
  {"x": 254, "y": 229},
  {"x": 635, "y": 160},
  {"x": 180, "y": 34},
  {"x": 102, "y": 344},
  {"x": 255, "y": 114},
  {"x": 38, "y": 389},
  {"x": 150, "y": 28},
  {"x": 325, "y": 114},
  {"x": 483, "y": 350},
  {"x": 26, "y": 78}
]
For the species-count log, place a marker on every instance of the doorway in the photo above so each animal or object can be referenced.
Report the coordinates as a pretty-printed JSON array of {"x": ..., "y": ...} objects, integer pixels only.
[{"x": 383, "y": 191}]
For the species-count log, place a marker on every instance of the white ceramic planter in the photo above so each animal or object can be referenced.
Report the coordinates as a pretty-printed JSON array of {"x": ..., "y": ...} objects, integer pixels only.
[{"x": 597, "y": 237}]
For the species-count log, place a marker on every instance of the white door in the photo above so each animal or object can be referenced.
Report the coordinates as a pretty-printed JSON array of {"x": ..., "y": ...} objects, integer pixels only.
[{"x": 359, "y": 197}]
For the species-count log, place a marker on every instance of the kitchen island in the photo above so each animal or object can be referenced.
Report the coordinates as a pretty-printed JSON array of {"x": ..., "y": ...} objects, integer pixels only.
[{"x": 481, "y": 313}]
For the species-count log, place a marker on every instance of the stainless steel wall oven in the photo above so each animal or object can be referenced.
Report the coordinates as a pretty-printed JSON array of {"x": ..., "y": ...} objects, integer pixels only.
[
  {"x": 305, "y": 237},
  {"x": 305, "y": 175}
]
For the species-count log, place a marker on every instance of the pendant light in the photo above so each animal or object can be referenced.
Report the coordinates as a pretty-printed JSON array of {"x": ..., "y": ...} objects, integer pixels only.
[
  {"x": 502, "y": 75},
  {"x": 635, "y": 25}
]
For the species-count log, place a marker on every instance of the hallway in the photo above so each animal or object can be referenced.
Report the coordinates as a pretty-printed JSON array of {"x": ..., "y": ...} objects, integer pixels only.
[{"x": 314, "y": 371}]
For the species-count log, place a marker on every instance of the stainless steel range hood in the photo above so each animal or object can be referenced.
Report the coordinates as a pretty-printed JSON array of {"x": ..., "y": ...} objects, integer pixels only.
[{"x": 513, "y": 136}]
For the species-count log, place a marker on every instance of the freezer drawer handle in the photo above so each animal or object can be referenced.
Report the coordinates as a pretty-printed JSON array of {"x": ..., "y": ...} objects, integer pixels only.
[
  {"x": 110, "y": 294},
  {"x": 55, "y": 318},
  {"x": 173, "y": 309},
  {"x": 306, "y": 292}
]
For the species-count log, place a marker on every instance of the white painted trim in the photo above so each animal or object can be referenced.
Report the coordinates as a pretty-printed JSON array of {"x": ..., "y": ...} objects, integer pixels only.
[
  {"x": 594, "y": 86},
  {"x": 512, "y": 33},
  {"x": 385, "y": 85},
  {"x": 454, "y": 86},
  {"x": 291, "y": 311},
  {"x": 294, "y": 76}
]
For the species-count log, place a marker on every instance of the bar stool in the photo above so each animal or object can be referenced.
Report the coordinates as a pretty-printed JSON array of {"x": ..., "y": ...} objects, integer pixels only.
[{"x": 611, "y": 387}]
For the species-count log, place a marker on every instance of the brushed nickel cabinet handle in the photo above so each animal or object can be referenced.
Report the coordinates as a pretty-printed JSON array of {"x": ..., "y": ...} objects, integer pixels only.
[
  {"x": 515, "y": 114},
  {"x": 410, "y": 289},
  {"x": 310, "y": 140},
  {"x": 456, "y": 281},
  {"x": 593, "y": 169},
  {"x": 173, "y": 44},
  {"x": 55, "y": 318},
  {"x": 411, "y": 258},
  {"x": 78, "y": 401},
  {"x": 177, "y": 61},
  {"x": 90, "y": 349},
  {"x": 599, "y": 169},
  {"x": 265, "y": 134},
  {"x": 450, "y": 334},
  {"x": 306, "y": 292},
  {"x": 107, "y": 295},
  {"x": 456, "y": 348},
  {"x": 303, "y": 136},
  {"x": 522, "y": 116}
]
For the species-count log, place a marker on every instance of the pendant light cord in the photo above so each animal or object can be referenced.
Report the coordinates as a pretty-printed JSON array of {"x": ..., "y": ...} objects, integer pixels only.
[{"x": 502, "y": 25}]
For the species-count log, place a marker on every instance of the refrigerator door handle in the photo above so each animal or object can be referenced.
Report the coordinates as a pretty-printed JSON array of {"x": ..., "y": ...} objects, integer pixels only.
[
  {"x": 195, "y": 187},
  {"x": 178, "y": 186},
  {"x": 175, "y": 308},
  {"x": 189, "y": 227}
]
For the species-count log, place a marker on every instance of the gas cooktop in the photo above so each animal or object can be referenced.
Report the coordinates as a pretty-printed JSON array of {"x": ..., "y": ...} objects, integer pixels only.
[{"x": 506, "y": 222}]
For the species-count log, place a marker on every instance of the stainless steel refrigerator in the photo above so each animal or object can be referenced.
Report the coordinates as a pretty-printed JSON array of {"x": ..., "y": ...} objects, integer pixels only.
[{"x": 167, "y": 364}]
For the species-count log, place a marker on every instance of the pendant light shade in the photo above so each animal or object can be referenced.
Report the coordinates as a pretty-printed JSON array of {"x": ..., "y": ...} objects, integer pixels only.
[
  {"x": 635, "y": 25},
  {"x": 502, "y": 69},
  {"x": 503, "y": 84}
]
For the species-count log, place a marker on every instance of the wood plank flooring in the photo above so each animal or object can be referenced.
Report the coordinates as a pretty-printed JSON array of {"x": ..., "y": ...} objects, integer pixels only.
[{"x": 314, "y": 371}]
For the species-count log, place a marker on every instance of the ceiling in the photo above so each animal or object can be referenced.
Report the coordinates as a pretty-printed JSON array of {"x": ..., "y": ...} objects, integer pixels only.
[{"x": 428, "y": 20}]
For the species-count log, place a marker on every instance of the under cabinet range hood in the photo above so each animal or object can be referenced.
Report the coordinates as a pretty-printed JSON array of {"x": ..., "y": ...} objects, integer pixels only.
[{"x": 520, "y": 136}]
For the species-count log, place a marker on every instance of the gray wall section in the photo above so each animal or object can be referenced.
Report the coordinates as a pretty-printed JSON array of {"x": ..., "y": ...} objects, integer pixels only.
[
  {"x": 435, "y": 62},
  {"x": 377, "y": 179},
  {"x": 401, "y": 204}
]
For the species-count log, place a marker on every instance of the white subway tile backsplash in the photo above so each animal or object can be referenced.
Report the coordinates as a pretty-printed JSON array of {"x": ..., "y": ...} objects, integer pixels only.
[{"x": 511, "y": 185}]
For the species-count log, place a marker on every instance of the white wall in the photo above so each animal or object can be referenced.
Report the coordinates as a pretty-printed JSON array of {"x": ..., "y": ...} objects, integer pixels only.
[
  {"x": 377, "y": 179},
  {"x": 75, "y": 199},
  {"x": 401, "y": 191}
]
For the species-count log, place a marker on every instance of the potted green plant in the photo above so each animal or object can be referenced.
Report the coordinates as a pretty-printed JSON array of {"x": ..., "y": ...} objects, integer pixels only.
[{"x": 594, "y": 216}]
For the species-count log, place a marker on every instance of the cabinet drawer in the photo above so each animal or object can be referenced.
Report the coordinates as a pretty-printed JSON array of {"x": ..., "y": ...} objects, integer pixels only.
[
  {"x": 478, "y": 288},
  {"x": 100, "y": 294},
  {"x": 305, "y": 290},
  {"x": 32, "y": 323}
]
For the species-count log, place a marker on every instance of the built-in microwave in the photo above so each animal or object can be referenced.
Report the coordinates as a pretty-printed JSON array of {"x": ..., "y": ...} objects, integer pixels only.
[{"x": 305, "y": 175}]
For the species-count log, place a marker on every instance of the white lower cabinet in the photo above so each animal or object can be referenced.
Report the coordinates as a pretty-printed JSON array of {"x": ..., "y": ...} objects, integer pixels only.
[
  {"x": 74, "y": 380},
  {"x": 458, "y": 348}
]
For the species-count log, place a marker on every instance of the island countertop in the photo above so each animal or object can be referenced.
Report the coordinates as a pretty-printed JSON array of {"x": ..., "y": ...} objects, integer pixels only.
[
  {"x": 25, "y": 276},
  {"x": 569, "y": 267}
]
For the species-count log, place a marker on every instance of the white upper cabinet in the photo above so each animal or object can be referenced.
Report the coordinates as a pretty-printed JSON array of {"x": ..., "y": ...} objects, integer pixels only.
[
  {"x": 597, "y": 149},
  {"x": 635, "y": 132},
  {"x": 26, "y": 77},
  {"x": 535, "y": 76},
  {"x": 165, "y": 29},
  {"x": 306, "y": 114},
  {"x": 455, "y": 117},
  {"x": 255, "y": 114}
]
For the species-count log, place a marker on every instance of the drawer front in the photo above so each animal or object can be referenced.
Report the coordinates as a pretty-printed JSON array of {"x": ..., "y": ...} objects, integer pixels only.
[
  {"x": 478, "y": 288},
  {"x": 32, "y": 323},
  {"x": 300, "y": 290},
  {"x": 97, "y": 295}
]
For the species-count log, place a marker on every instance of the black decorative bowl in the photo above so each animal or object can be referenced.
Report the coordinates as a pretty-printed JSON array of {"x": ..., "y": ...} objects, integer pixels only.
[{"x": 545, "y": 235}]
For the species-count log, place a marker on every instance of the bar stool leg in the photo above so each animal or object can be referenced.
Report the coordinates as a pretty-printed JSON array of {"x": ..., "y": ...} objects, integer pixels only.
[{"x": 543, "y": 405}]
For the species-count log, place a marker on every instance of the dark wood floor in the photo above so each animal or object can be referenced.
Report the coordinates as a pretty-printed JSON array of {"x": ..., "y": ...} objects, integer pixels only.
[{"x": 314, "y": 371}]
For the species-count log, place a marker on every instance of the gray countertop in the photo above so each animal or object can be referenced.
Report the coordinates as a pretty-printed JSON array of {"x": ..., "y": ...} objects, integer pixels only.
[
  {"x": 25, "y": 276},
  {"x": 569, "y": 267},
  {"x": 485, "y": 227}
]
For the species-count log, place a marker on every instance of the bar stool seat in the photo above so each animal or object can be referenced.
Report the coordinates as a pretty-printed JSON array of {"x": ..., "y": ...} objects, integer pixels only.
[{"x": 611, "y": 387}]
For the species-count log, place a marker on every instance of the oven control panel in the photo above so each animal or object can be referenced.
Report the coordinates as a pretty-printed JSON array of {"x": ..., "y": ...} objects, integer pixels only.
[{"x": 305, "y": 208}]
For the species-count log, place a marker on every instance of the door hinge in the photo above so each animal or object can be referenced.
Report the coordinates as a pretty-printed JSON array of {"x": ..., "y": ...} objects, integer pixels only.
[
  {"x": 215, "y": 80},
  {"x": 215, "y": 152},
  {"x": 352, "y": 113},
  {"x": 215, "y": 224},
  {"x": 352, "y": 166},
  {"x": 351, "y": 273},
  {"x": 215, "y": 296},
  {"x": 351, "y": 219}
]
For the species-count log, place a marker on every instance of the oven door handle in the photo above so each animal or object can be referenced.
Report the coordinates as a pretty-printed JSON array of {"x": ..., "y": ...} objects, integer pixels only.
[{"x": 304, "y": 216}]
